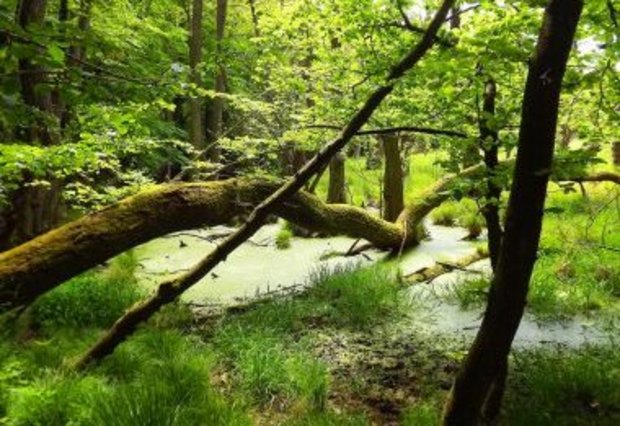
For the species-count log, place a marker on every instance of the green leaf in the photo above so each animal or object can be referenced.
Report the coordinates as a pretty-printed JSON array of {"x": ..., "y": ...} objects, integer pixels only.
[{"x": 56, "y": 53}]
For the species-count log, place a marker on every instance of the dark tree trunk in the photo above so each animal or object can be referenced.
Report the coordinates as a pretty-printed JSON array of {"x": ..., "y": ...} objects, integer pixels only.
[
  {"x": 33, "y": 211},
  {"x": 254, "y": 13},
  {"x": 484, "y": 368},
  {"x": 615, "y": 152},
  {"x": 76, "y": 56},
  {"x": 336, "y": 192},
  {"x": 215, "y": 112},
  {"x": 33, "y": 77},
  {"x": 196, "y": 130},
  {"x": 393, "y": 191},
  {"x": 489, "y": 146}
]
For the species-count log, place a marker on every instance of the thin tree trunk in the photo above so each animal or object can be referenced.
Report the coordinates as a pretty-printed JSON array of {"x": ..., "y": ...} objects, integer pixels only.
[
  {"x": 336, "y": 192},
  {"x": 196, "y": 130},
  {"x": 255, "y": 25},
  {"x": 169, "y": 291},
  {"x": 393, "y": 191},
  {"x": 489, "y": 146},
  {"x": 483, "y": 368},
  {"x": 215, "y": 112}
]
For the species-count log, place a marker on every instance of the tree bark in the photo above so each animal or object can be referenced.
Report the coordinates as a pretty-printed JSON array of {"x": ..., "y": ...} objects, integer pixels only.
[
  {"x": 393, "y": 191},
  {"x": 196, "y": 130},
  {"x": 215, "y": 111},
  {"x": 169, "y": 291},
  {"x": 485, "y": 364},
  {"x": 336, "y": 191},
  {"x": 489, "y": 146},
  {"x": 32, "y": 78}
]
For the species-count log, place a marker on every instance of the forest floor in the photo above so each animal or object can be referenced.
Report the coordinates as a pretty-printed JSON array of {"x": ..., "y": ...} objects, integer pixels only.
[{"x": 348, "y": 350}]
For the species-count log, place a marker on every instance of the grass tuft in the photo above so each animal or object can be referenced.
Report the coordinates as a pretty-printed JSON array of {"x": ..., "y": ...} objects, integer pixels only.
[
  {"x": 283, "y": 239},
  {"x": 93, "y": 299}
]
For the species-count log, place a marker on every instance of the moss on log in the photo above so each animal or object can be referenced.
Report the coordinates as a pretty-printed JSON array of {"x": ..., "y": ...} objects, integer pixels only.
[{"x": 39, "y": 265}]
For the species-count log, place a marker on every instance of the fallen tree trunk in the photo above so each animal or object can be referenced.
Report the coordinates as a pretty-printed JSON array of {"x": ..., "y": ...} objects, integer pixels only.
[
  {"x": 35, "y": 267},
  {"x": 440, "y": 268},
  {"x": 39, "y": 265}
]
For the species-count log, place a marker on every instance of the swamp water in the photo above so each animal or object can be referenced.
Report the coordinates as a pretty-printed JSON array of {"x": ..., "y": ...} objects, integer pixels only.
[{"x": 258, "y": 268}]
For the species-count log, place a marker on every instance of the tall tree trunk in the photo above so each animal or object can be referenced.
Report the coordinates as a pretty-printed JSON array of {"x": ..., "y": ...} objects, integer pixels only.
[
  {"x": 254, "y": 13},
  {"x": 196, "y": 129},
  {"x": 393, "y": 193},
  {"x": 489, "y": 146},
  {"x": 484, "y": 368},
  {"x": 336, "y": 191},
  {"x": 215, "y": 111},
  {"x": 76, "y": 56},
  {"x": 171, "y": 290},
  {"x": 33, "y": 77}
]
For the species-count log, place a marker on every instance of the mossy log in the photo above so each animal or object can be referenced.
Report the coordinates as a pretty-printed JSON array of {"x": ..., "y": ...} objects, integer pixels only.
[
  {"x": 41, "y": 264},
  {"x": 37, "y": 266}
]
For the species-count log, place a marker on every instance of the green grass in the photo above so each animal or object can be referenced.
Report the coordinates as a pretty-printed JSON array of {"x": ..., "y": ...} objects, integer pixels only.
[
  {"x": 446, "y": 214},
  {"x": 474, "y": 223},
  {"x": 267, "y": 348},
  {"x": 548, "y": 387},
  {"x": 257, "y": 363},
  {"x": 422, "y": 414},
  {"x": 551, "y": 387},
  {"x": 93, "y": 299},
  {"x": 578, "y": 267},
  {"x": 283, "y": 238},
  {"x": 468, "y": 294},
  {"x": 157, "y": 378},
  {"x": 462, "y": 213}
]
